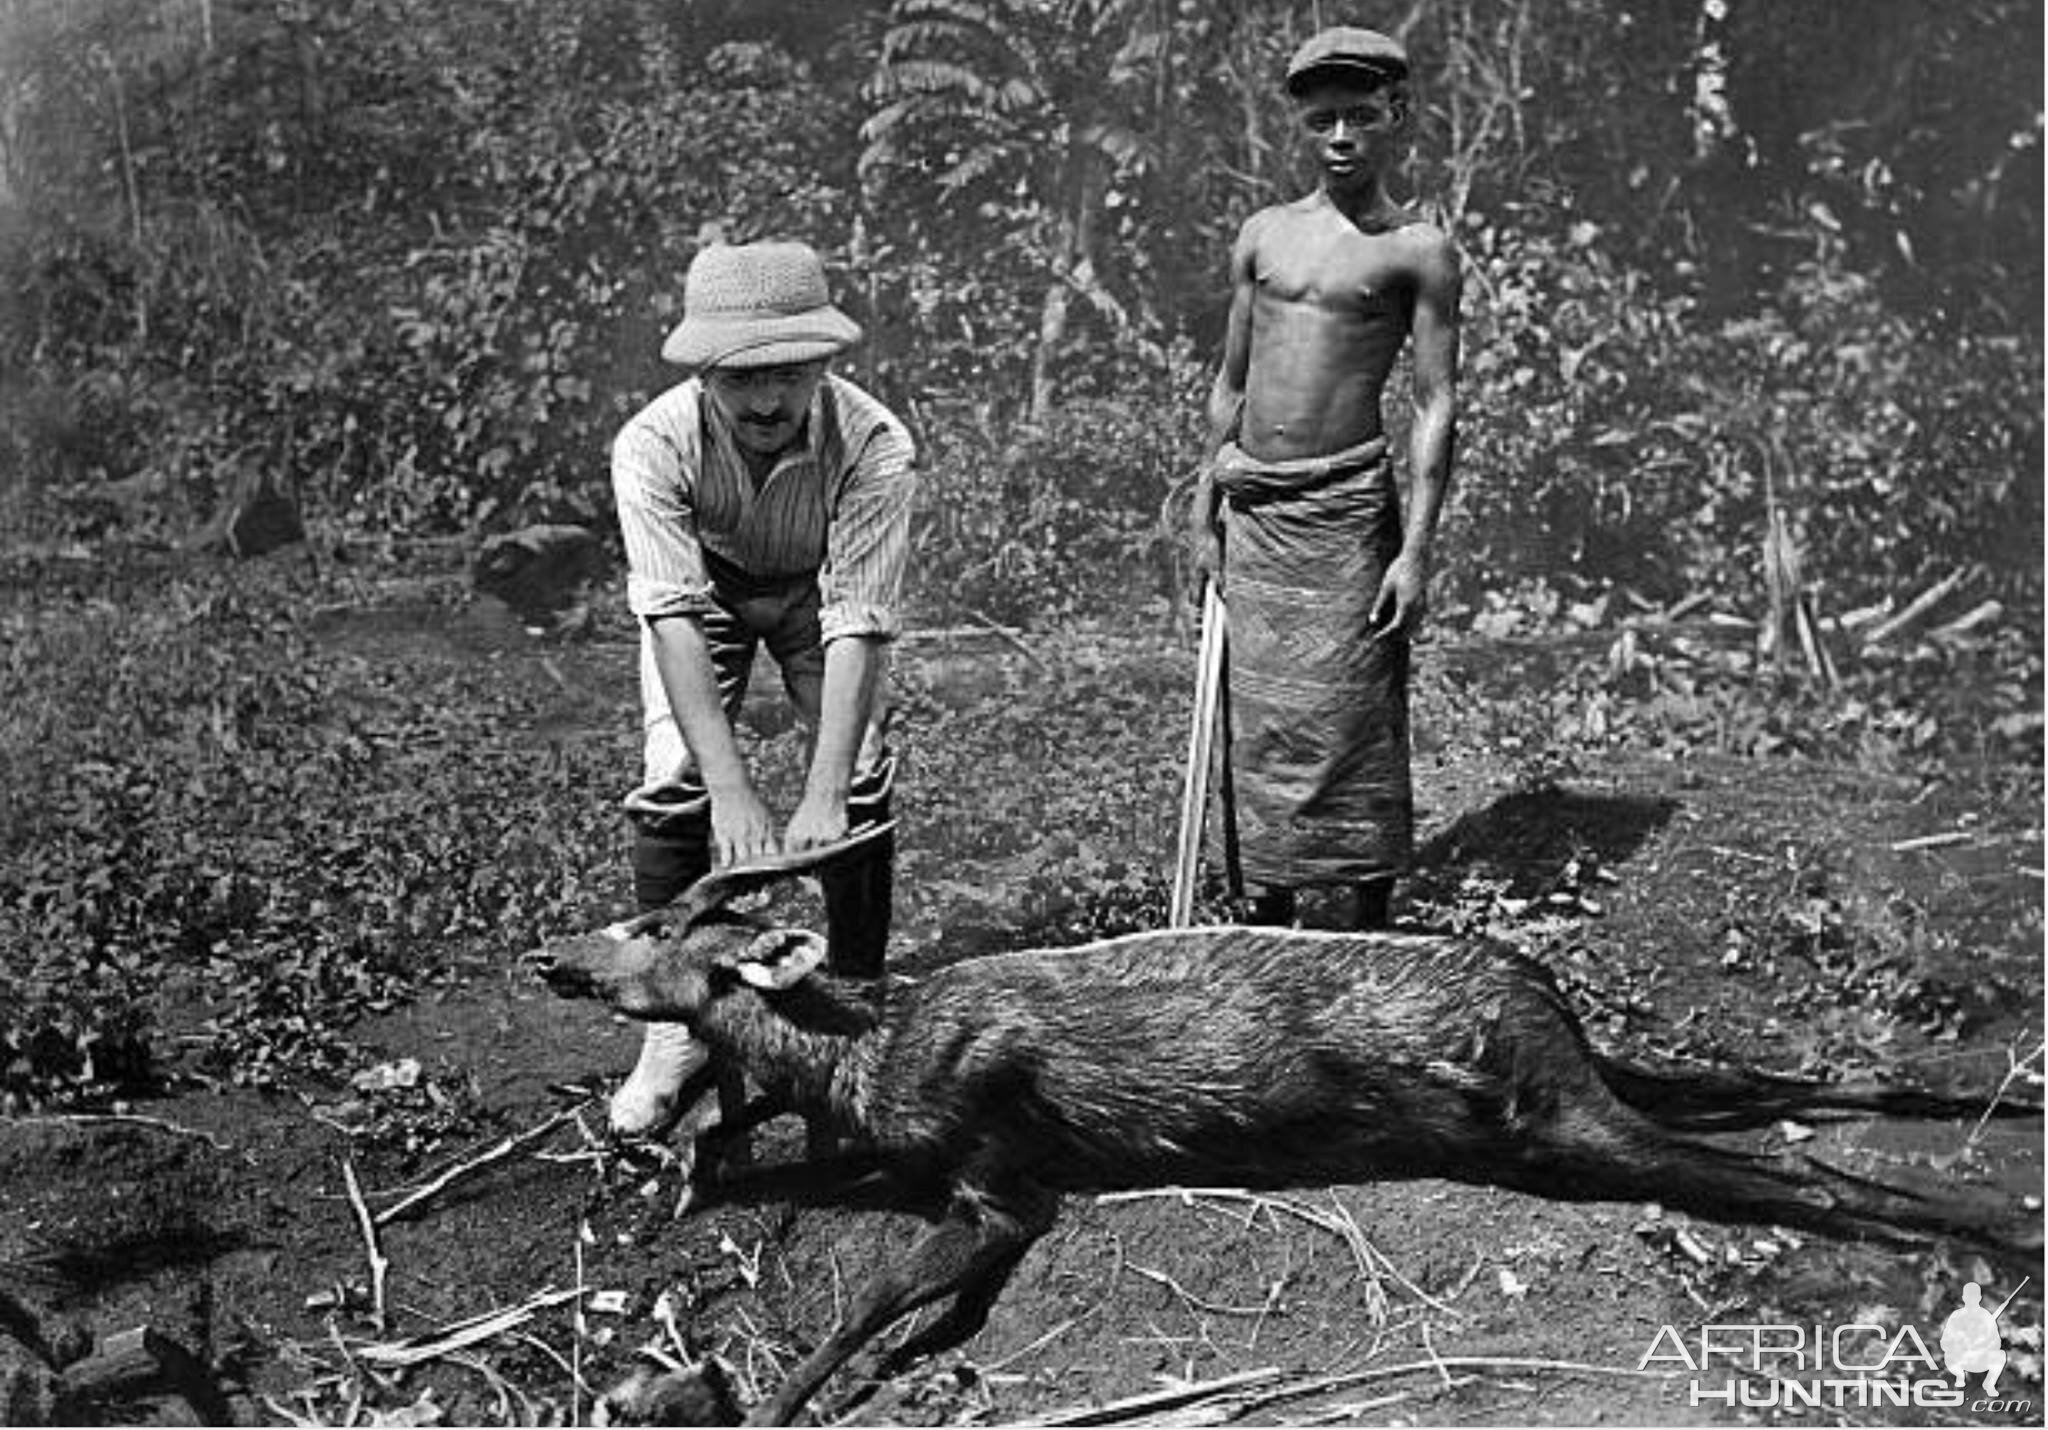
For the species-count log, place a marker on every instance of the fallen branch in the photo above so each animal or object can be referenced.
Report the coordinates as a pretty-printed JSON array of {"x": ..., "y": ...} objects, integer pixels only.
[
  {"x": 1236, "y": 1386},
  {"x": 1441, "y": 1367},
  {"x": 1352, "y": 1409},
  {"x": 1160, "y": 1278},
  {"x": 380, "y": 1265},
  {"x": 1919, "y": 606},
  {"x": 1172, "y": 1398},
  {"x": 1010, "y": 636},
  {"x": 433, "y": 1188},
  {"x": 1968, "y": 621},
  {"x": 2015, "y": 1065},
  {"x": 459, "y": 1335},
  {"x": 134, "y": 1119},
  {"x": 1932, "y": 841},
  {"x": 985, "y": 627}
]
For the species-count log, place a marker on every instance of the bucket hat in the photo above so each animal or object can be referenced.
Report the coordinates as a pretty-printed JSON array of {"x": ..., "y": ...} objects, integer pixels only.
[
  {"x": 757, "y": 305},
  {"x": 1346, "y": 47}
]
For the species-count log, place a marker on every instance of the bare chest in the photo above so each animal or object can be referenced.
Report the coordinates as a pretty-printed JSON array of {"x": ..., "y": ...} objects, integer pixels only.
[{"x": 1339, "y": 269}]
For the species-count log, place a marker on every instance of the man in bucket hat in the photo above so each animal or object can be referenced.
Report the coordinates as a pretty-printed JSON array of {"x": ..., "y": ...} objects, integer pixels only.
[{"x": 764, "y": 501}]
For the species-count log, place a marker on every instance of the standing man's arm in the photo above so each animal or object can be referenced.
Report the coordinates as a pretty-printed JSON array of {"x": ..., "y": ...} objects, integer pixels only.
[
  {"x": 1226, "y": 408},
  {"x": 667, "y": 589},
  {"x": 741, "y": 826},
  {"x": 853, "y": 667},
  {"x": 859, "y": 588},
  {"x": 1404, "y": 593}
]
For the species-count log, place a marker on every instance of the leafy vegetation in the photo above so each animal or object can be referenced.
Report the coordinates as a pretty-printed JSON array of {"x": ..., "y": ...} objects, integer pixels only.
[
  {"x": 267, "y": 833},
  {"x": 1749, "y": 335}
]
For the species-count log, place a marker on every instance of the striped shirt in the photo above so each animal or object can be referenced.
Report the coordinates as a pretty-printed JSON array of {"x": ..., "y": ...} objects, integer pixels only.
[{"x": 837, "y": 505}]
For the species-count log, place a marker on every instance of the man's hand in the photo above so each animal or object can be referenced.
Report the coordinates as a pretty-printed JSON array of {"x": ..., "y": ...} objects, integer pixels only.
[
  {"x": 1205, "y": 557},
  {"x": 817, "y": 821},
  {"x": 1403, "y": 599},
  {"x": 741, "y": 827}
]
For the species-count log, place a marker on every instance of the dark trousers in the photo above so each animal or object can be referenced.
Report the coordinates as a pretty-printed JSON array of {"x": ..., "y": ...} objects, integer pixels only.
[{"x": 672, "y": 850}]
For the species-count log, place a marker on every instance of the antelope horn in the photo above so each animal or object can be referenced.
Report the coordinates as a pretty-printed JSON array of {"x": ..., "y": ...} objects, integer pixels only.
[{"x": 722, "y": 885}]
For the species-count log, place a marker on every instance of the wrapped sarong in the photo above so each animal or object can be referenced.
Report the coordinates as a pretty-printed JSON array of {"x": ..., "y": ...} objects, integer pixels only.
[{"x": 1319, "y": 745}]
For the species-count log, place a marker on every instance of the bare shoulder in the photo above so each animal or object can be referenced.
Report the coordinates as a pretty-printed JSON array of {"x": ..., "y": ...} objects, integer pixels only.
[
  {"x": 1429, "y": 255},
  {"x": 1277, "y": 221},
  {"x": 1256, "y": 229},
  {"x": 1425, "y": 242}
]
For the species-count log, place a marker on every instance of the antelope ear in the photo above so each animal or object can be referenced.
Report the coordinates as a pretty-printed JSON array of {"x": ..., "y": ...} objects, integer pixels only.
[{"x": 781, "y": 958}]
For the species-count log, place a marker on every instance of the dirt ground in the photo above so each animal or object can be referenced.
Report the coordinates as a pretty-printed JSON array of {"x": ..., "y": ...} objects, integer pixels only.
[{"x": 224, "y": 1221}]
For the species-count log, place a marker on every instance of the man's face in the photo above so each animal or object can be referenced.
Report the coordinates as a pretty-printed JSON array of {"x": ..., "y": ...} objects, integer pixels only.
[
  {"x": 1351, "y": 128},
  {"x": 764, "y": 406}
]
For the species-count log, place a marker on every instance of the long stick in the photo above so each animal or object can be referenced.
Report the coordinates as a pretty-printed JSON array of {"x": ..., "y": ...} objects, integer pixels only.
[
  {"x": 1194, "y": 797},
  {"x": 1226, "y": 777},
  {"x": 1919, "y": 606}
]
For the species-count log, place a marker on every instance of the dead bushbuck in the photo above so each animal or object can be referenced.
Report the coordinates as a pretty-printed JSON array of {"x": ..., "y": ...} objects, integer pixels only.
[{"x": 1247, "y": 1057}]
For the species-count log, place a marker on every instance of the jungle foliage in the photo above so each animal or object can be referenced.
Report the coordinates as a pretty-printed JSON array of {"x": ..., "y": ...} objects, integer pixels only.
[
  {"x": 417, "y": 258},
  {"x": 1753, "y": 324}
]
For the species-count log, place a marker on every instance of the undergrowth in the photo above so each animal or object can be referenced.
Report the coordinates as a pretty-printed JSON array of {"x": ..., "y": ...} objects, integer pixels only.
[
  {"x": 212, "y": 809},
  {"x": 232, "y": 831}
]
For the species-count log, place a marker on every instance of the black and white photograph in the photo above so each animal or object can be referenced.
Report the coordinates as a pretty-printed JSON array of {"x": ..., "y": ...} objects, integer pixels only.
[{"x": 1022, "y": 713}]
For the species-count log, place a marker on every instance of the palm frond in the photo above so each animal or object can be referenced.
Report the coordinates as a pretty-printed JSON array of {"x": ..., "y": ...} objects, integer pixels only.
[
  {"x": 936, "y": 77},
  {"x": 977, "y": 164},
  {"x": 959, "y": 12},
  {"x": 1122, "y": 144}
]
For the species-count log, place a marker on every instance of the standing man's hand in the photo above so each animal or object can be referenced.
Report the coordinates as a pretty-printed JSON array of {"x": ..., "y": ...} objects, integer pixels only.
[
  {"x": 1205, "y": 537},
  {"x": 818, "y": 820},
  {"x": 741, "y": 827},
  {"x": 1205, "y": 555},
  {"x": 1403, "y": 598}
]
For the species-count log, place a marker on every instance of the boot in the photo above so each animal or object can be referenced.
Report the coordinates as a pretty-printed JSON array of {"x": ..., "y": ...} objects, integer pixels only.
[
  {"x": 671, "y": 851},
  {"x": 860, "y": 888},
  {"x": 1274, "y": 907},
  {"x": 1372, "y": 904},
  {"x": 648, "y": 1103}
]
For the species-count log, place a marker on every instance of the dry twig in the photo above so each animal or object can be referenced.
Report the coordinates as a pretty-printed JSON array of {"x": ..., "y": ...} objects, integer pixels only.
[
  {"x": 1932, "y": 841},
  {"x": 2016, "y": 1065},
  {"x": 1339, "y": 1223},
  {"x": 1195, "y": 1302},
  {"x": 133, "y": 1119},
  {"x": 459, "y": 1335},
  {"x": 456, "y": 1173},
  {"x": 1173, "y": 1397},
  {"x": 1919, "y": 606},
  {"x": 380, "y": 1265}
]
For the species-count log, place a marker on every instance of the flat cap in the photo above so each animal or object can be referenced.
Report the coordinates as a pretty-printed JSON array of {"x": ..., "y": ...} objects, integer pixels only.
[{"x": 1328, "y": 53}]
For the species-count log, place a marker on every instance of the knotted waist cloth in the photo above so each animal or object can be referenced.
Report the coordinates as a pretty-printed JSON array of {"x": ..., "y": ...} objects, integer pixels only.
[{"x": 1319, "y": 708}]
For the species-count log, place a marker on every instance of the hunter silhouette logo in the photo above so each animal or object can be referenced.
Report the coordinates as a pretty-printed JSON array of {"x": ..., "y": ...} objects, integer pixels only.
[
  {"x": 1970, "y": 1341},
  {"x": 1851, "y": 1365}
]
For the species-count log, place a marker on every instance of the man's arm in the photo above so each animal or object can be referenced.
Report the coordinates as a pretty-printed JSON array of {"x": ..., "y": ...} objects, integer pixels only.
[
  {"x": 1404, "y": 593},
  {"x": 859, "y": 587},
  {"x": 853, "y": 667},
  {"x": 666, "y": 586},
  {"x": 741, "y": 827},
  {"x": 1226, "y": 405}
]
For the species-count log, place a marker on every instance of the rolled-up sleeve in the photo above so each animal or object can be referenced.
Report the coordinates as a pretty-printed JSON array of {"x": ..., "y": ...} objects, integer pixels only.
[
  {"x": 861, "y": 584},
  {"x": 652, "y": 485}
]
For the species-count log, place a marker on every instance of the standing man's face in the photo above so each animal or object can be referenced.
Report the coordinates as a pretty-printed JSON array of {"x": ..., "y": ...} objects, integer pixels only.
[
  {"x": 764, "y": 406},
  {"x": 1351, "y": 128}
]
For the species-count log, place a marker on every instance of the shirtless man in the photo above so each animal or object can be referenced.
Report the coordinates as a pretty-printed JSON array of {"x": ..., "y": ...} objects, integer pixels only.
[{"x": 1298, "y": 517}]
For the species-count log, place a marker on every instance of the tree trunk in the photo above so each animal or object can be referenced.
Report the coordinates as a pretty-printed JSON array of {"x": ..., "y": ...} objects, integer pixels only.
[{"x": 1052, "y": 332}]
